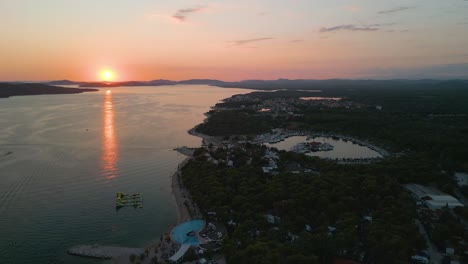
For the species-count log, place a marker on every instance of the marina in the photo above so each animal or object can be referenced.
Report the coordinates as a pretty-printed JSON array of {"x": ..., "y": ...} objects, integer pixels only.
[
  {"x": 307, "y": 147},
  {"x": 343, "y": 149}
]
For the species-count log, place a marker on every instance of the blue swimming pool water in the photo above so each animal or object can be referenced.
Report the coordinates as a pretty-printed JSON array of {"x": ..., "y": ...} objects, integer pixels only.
[{"x": 179, "y": 233}]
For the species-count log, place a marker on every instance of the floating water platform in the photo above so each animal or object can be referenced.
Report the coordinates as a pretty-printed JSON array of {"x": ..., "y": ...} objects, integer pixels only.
[
  {"x": 124, "y": 200},
  {"x": 103, "y": 252}
]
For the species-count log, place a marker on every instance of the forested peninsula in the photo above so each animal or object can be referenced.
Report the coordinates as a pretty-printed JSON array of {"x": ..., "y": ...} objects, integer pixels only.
[{"x": 18, "y": 89}]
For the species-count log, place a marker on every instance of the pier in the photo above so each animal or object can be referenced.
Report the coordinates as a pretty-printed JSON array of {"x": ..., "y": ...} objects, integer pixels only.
[{"x": 103, "y": 252}]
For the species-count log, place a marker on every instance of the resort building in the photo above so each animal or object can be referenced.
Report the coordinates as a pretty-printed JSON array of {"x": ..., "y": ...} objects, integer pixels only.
[
  {"x": 432, "y": 198},
  {"x": 436, "y": 202},
  {"x": 199, "y": 235}
]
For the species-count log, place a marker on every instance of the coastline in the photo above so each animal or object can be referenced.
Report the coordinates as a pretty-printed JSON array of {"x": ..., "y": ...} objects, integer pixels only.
[
  {"x": 8, "y": 90},
  {"x": 180, "y": 193},
  {"x": 183, "y": 203},
  {"x": 206, "y": 140},
  {"x": 186, "y": 208}
]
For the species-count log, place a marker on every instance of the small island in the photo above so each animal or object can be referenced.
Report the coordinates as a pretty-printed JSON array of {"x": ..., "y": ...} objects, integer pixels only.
[{"x": 17, "y": 89}]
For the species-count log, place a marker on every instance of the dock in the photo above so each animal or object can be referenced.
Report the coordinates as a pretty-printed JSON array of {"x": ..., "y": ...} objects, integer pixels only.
[{"x": 103, "y": 252}]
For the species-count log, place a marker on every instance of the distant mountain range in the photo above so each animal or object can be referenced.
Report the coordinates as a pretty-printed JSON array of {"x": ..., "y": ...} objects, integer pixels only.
[{"x": 278, "y": 84}]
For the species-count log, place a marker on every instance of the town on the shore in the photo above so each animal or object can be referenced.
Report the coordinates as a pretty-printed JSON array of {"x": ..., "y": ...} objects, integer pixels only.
[
  {"x": 436, "y": 212},
  {"x": 241, "y": 199}
]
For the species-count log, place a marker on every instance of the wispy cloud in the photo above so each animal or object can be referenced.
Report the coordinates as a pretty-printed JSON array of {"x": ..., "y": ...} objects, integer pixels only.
[
  {"x": 296, "y": 40},
  {"x": 247, "y": 41},
  {"x": 396, "y": 9},
  {"x": 182, "y": 14},
  {"x": 350, "y": 27}
]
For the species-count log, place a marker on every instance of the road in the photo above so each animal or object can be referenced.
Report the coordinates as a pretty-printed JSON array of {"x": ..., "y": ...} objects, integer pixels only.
[{"x": 434, "y": 254}]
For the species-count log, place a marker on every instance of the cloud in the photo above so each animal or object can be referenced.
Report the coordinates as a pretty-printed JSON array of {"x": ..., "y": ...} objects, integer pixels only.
[
  {"x": 353, "y": 8},
  {"x": 381, "y": 25},
  {"x": 182, "y": 14},
  {"x": 247, "y": 41},
  {"x": 374, "y": 27},
  {"x": 296, "y": 40},
  {"x": 396, "y": 9}
]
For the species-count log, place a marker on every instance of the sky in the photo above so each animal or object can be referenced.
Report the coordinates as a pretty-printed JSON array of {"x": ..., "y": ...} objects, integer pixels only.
[{"x": 233, "y": 40}]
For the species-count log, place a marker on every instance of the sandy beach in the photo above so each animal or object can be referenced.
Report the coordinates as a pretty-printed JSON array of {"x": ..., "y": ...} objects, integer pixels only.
[{"x": 181, "y": 194}]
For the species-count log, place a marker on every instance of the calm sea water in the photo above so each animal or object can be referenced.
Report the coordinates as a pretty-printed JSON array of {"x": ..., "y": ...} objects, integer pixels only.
[{"x": 70, "y": 154}]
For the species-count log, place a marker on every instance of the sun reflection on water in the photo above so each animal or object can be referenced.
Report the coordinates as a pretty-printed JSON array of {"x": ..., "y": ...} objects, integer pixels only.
[{"x": 110, "y": 148}]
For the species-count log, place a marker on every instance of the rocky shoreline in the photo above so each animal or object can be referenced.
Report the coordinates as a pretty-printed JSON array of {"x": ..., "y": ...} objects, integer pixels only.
[{"x": 206, "y": 140}]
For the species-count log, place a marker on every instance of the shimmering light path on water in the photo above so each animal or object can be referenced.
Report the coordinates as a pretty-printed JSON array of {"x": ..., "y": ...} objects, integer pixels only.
[
  {"x": 72, "y": 153},
  {"x": 110, "y": 148}
]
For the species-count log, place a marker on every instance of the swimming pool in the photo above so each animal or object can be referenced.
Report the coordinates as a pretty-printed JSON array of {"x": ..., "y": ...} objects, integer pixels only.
[{"x": 183, "y": 232}]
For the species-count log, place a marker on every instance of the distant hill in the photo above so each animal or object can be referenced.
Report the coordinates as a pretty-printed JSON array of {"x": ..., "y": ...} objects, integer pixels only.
[
  {"x": 17, "y": 89},
  {"x": 151, "y": 83},
  {"x": 202, "y": 82},
  {"x": 63, "y": 82},
  {"x": 113, "y": 84},
  {"x": 162, "y": 82},
  {"x": 339, "y": 84}
]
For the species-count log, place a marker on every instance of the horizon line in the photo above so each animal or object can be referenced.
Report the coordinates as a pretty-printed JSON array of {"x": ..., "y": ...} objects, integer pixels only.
[{"x": 242, "y": 80}]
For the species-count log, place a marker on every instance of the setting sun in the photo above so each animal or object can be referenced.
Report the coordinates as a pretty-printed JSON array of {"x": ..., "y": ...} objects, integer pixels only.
[{"x": 107, "y": 75}]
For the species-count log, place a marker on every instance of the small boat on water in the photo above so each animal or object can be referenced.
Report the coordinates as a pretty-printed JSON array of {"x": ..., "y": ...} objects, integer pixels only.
[{"x": 313, "y": 146}]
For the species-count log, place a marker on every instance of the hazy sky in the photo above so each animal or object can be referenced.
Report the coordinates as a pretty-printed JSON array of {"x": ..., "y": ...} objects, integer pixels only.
[{"x": 233, "y": 40}]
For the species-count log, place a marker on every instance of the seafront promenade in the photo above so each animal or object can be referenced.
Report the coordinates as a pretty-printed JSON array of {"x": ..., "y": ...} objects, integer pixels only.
[{"x": 103, "y": 252}]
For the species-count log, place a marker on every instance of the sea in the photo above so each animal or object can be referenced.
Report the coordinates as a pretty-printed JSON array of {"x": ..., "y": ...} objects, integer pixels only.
[{"x": 63, "y": 158}]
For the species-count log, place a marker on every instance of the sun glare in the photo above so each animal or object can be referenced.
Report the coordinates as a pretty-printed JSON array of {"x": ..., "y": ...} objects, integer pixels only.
[{"x": 107, "y": 75}]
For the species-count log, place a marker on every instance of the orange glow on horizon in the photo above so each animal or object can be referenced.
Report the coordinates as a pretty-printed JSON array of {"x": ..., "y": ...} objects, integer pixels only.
[
  {"x": 107, "y": 75},
  {"x": 110, "y": 147}
]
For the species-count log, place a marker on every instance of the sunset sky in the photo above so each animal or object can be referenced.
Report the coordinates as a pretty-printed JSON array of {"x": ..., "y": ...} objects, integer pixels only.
[{"x": 233, "y": 40}]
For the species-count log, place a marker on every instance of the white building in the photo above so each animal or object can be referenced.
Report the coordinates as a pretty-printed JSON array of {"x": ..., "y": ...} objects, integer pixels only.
[
  {"x": 436, "y": 202},
  {"x": 462, "y": 178},
  {"x": 272, "y": 219},
  {"x": 431, "y": 197}
]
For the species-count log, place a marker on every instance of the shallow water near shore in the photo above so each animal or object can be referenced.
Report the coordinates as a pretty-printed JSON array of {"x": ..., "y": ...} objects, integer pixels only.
[{"x": 68, "y": 155}]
